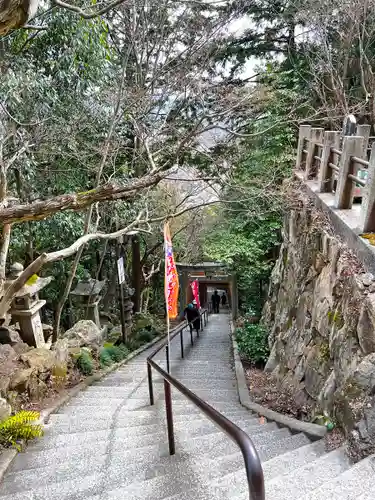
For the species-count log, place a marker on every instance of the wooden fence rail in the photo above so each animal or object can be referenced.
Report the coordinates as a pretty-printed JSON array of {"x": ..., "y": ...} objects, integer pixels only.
[{"x": 334, "y": 162}]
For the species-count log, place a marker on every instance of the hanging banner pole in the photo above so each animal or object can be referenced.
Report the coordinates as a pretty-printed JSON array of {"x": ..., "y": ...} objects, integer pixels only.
[{"x": 170, "y": 285}]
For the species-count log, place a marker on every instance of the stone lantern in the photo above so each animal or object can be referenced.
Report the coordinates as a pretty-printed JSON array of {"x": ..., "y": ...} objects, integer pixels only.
[
  {"x": 88, "y": 290},
  {"x": 128, "y": 308},
  {"x": 26, "y": 306}
]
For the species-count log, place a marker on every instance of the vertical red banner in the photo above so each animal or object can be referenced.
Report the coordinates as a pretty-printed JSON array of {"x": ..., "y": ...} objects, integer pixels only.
[
  {"x": 171, "y": 276},
  {"x": 195, "y": 288}
]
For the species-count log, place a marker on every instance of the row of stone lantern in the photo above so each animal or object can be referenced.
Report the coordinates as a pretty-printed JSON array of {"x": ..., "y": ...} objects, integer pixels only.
[{"x": 26, "y": 305}]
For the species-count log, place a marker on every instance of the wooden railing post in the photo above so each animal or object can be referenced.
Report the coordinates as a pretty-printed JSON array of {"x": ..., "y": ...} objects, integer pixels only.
[
  {"x": 352, "y": 146},
  {"x": 367, "y": 221},
  {"x": 304, "y": 133},
  {"x": 364, "y": 131},
  {"x": 331, "y": 140},
  {"x": 316, "y": 137}
]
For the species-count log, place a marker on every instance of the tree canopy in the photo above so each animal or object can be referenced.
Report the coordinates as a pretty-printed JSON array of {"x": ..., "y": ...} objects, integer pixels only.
[{"x": 103, "y": 106}]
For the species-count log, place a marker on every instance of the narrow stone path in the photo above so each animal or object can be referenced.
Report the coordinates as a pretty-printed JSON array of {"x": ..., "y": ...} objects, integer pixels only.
[{"x": 108, "y": 443}]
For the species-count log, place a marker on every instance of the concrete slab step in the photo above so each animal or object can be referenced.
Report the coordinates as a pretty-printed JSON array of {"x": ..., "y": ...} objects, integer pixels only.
[
  {"x": 158, "y": 487},
  {"x": 310, "y": 476},
  {"x": 55, "y": 434},
  {"x": 70, "y": 423},
  {"x": 210, "y": 447},
  {"x": 357, "y": 481},
  {"x": 78, "y": 406},
  {"x": 119, "y": 439},
  {"x": 298, "y": 457},
  {"x": 116, "y": 475}
]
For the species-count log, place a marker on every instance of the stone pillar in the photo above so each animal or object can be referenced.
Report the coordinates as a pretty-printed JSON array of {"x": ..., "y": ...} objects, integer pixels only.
[
  {"x": 234, "y": 297},
  {"x": 184, "y": 283}
]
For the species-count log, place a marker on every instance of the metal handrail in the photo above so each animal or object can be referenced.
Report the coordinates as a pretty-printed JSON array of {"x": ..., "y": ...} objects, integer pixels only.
[{"x": 253, "y": 467}]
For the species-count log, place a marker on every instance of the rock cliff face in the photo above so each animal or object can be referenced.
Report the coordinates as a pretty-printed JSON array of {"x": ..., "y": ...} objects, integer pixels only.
[{"x": 321, "y": 317}]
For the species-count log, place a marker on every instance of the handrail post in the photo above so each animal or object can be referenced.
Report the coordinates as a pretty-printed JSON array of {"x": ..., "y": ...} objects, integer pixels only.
[
  {"x": 364, "y": 131},
  {"x": 304, "y": 133},
  {"x": 352, "y": 146},
  {"x": 167, "y": 357},
  {"x": 316, "y": 137},
  {"x": 150, "y": 386},
  {"x": 331, "y": 140},
  {"x": 168, "y": 408},
  {"x": 367, "y": 224},
  {"x": 182, "y": 343}
]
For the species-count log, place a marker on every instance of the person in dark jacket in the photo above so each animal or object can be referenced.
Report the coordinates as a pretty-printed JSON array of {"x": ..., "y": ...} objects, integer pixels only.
[
  {"x": 215, "y": 302},
  {"x": 223, "y": 299},
  {"x": 191, "y": 314}
]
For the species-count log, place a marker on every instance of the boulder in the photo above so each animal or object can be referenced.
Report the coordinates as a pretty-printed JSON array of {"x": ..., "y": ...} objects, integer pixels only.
[
  {"x": 366, "y": 325},
  {"x": 21, "y": 348},
  {"x": 39, "y": 360},
  {"x": 367, "y": 279},
  {"x": 83, "y": 333},
  {"x": 364, "y": 374},
  {"x": 37, "y": 389},
  {"x": 7, "y": 354},
  {"x": 9, "y": 364},
  {"x": 5, "y": 409},
  {"x": 20, "y": 379},
  {"x": 9, "y": 335},
  {"x": 4, "y": 384}
]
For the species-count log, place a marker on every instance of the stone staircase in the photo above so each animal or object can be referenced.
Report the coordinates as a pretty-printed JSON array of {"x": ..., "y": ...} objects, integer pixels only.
[{"x": 109, "y": 444}]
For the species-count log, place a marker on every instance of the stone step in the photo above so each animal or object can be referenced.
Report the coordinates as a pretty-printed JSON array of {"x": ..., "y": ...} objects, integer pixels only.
[
  {"x": 310, "y": 476},
  {"x": 287, "y": 462},
  {"x": 112, "y": 475},
  {"x": 357, "y": 481},
  {"x": 122, "y": 439},
  {"x": 191, "y": 426},
  {"x": 133, "y": 404},
  {"x": 64, "y": 421},
  {"x": 210, "y": 446},
  {"x": 149, "y": 434},
  {"x": 90, "y": 484},
  {"x": 112, "y": 396},
  {"x": 292, "y": 484}
]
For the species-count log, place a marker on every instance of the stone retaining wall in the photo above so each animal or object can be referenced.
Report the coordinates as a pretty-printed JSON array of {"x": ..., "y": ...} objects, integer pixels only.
[{"x": 320, "y": 314}]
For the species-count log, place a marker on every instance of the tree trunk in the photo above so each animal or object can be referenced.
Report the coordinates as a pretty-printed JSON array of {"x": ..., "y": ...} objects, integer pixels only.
[{"x": 136, "y": 273}]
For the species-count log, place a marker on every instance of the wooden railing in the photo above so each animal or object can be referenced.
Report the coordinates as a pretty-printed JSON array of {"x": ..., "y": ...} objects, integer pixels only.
[{"x": 334, "y": 162}]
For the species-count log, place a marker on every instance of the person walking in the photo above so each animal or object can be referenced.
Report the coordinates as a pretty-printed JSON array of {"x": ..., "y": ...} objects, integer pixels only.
[
  {"x": 191, "y": 314},
  {"x": 223, "y": 299},
  {"x": 215, "y": 302}
]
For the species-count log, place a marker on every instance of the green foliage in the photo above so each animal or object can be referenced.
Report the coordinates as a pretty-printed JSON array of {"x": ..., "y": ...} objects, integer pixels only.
[
  {"x": 85, "y": 363},
  {"x": 144, "y": 336},
  {"x": 105, "y": 358},
  {"x": 19, "y": 427},
  {"x": 112, "y": 354},
  {"x": 252, "y": 340}
]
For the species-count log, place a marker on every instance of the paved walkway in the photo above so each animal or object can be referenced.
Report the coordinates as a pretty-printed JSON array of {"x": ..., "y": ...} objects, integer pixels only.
[{"x": 108, "y": 443}]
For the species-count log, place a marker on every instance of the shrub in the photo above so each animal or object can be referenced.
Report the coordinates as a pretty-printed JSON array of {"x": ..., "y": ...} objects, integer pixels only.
[
  {"x": 112, "y": 354},
  {"x": 145, "y": 336},
  {"x": 115, "y": 353},
  {"x": 85, "y": 363},
  {"x": 252, "y": 340},
  {"x": 105, "y": 359},
  {"x": 19, "y": 427}
]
